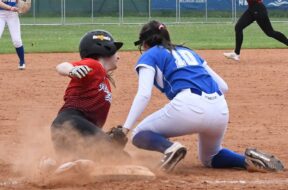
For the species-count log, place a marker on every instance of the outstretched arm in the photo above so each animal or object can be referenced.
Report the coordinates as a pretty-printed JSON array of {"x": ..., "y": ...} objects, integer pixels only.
[
  {"x": 142, "y": 98},
  {"x": 64, "y": 68},
  {"x": 67, "y": 69},
  {"x": 221, "y": 83}
]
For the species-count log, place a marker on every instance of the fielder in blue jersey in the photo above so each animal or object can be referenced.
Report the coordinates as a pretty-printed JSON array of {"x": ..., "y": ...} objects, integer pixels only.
[
  {"x": 197, "y": 106},
  {"x": 9, "y": 16}
]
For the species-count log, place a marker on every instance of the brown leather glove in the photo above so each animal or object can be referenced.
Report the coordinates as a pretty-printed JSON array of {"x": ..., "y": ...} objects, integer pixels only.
[{"x": 118, "y": 136}]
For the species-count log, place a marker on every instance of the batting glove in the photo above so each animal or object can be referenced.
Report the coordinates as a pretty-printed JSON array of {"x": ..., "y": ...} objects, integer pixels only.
[{"x": 80, "y": 71}]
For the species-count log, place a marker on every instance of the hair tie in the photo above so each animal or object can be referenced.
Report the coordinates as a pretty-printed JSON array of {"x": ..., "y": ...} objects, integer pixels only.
[{"x": 161, "y": 26}]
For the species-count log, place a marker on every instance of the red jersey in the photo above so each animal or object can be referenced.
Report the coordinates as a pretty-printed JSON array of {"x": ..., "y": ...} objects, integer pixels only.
[
  {"x": 91, "y": 94},
  {"x": 252, "y": 2}
]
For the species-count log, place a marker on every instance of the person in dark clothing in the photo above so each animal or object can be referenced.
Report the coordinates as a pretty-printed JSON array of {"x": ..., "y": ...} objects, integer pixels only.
[{"x": 256, "y": 12}]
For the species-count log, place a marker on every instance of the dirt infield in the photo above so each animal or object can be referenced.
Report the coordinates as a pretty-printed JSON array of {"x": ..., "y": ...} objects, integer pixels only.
[{"x": 258, "y": 87}]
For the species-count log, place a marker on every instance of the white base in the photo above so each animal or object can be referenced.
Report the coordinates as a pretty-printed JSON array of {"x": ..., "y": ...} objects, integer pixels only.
[{"x": 83, "y": 172}]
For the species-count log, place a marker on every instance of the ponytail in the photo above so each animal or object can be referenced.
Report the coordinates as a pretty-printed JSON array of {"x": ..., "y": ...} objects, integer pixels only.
[{"x": 155, "y": 33}]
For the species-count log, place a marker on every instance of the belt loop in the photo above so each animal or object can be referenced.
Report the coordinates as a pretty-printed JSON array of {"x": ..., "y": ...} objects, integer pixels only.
[
  {"x": 219, "y": 93},
  {"x": 196, "y": 91}
]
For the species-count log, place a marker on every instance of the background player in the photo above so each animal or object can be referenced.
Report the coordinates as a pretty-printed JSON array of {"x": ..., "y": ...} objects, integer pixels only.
[
  {"x": 9, "y": 15},
  {"x": 88, "y": 96},
  {"x": 256, "y": 12},
  {"x": 197, "y": 105}
]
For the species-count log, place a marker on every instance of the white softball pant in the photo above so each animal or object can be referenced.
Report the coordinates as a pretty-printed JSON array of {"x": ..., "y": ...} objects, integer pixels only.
[
  {"x": 12, "y": 20},
  {"x": 188, "y": 113}
]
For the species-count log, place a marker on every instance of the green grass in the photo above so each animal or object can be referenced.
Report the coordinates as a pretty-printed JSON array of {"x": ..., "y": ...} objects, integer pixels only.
[{"x": 196, "y": 36}]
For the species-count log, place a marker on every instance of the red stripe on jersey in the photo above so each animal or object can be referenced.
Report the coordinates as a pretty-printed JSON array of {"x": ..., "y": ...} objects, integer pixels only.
[
  {"x": 91, "y": 95},
  {"x": 252, "y": 2}
]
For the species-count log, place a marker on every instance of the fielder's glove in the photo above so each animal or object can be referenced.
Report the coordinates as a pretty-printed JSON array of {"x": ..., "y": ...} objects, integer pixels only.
[
  {"x": 80, "y": 71},
  {"x": 24, "y": 6},
  {"x": 118, "y": 137}
]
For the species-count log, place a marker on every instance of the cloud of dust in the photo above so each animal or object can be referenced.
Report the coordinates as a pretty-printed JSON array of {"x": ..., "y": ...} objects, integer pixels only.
[{"x": 35, "y": 143}]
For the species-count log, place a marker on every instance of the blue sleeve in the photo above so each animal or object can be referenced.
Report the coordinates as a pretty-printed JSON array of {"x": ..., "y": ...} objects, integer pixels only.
[
  {"x": 11, "y": 3},
  {"x": 148, "y": 60}
]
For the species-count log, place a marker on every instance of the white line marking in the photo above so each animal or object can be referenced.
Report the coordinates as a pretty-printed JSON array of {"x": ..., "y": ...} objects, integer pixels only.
[
  {"x": 11, "y": 182},
  {"x": 252, "y": 182},
  {"x": 15, "y": 182}
]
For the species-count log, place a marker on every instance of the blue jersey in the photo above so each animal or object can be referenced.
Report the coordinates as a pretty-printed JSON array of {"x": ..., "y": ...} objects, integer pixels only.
[
  {"x": 11, "y": 3},
  {"x": 176, "y": 70}
]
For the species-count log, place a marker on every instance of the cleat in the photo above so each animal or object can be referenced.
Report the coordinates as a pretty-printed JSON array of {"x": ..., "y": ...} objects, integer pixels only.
[
  {"x": 257, "y": 161},
  {"x": 75, "y": 167},
  {"x": 233, "y": 56},
  {"x": 22, "y": 67},
  {"x": 173, "y": 155},
  {"x": 47, "y": 166},
  {"x": 76, "y": 172}
]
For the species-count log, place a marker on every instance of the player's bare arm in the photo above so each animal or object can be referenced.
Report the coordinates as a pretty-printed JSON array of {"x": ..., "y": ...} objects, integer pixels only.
[
  {"x": 67, "y": 69},
  {"x": 8, "y": 7}
]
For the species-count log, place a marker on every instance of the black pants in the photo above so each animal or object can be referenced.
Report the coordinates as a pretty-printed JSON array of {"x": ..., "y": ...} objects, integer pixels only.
[
  {"x": 258, "y": 13},
  {"x": 75, "y": 137}
]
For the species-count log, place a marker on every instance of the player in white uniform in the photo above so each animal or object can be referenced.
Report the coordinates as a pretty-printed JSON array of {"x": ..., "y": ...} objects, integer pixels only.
[
  {"x": 9, "y": 15},
  {"x": 197, "y": 105}
]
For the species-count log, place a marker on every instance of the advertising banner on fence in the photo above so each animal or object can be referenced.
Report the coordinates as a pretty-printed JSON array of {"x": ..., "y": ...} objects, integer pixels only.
[
  {"x": 271, "y": 4},
  {"x": 213, "y": 4}
]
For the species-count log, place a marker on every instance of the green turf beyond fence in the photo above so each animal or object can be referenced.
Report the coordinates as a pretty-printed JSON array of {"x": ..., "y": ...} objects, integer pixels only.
[{"x": 196, "y": 36}]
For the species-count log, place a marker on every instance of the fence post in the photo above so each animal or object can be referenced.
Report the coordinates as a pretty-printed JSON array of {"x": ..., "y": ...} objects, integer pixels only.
[
  {"x": 235, "y": 10},
  {"x": 206, "y": 11},
  {"x": 149, "y": 9},
  {"x": 64, "y": 12},
  {"x": 176, "y": 1},
  {"x": 121, "y": 11},
  {"x": 92, "y": 11},
  {"x": 232, "y": 12},
  {"x": 179, "y": 11},
  {"x": 34, "y": 12}
]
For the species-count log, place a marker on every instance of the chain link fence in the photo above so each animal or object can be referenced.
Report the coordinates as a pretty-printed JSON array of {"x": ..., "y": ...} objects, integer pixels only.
[{"x": 75, "y": 12}]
